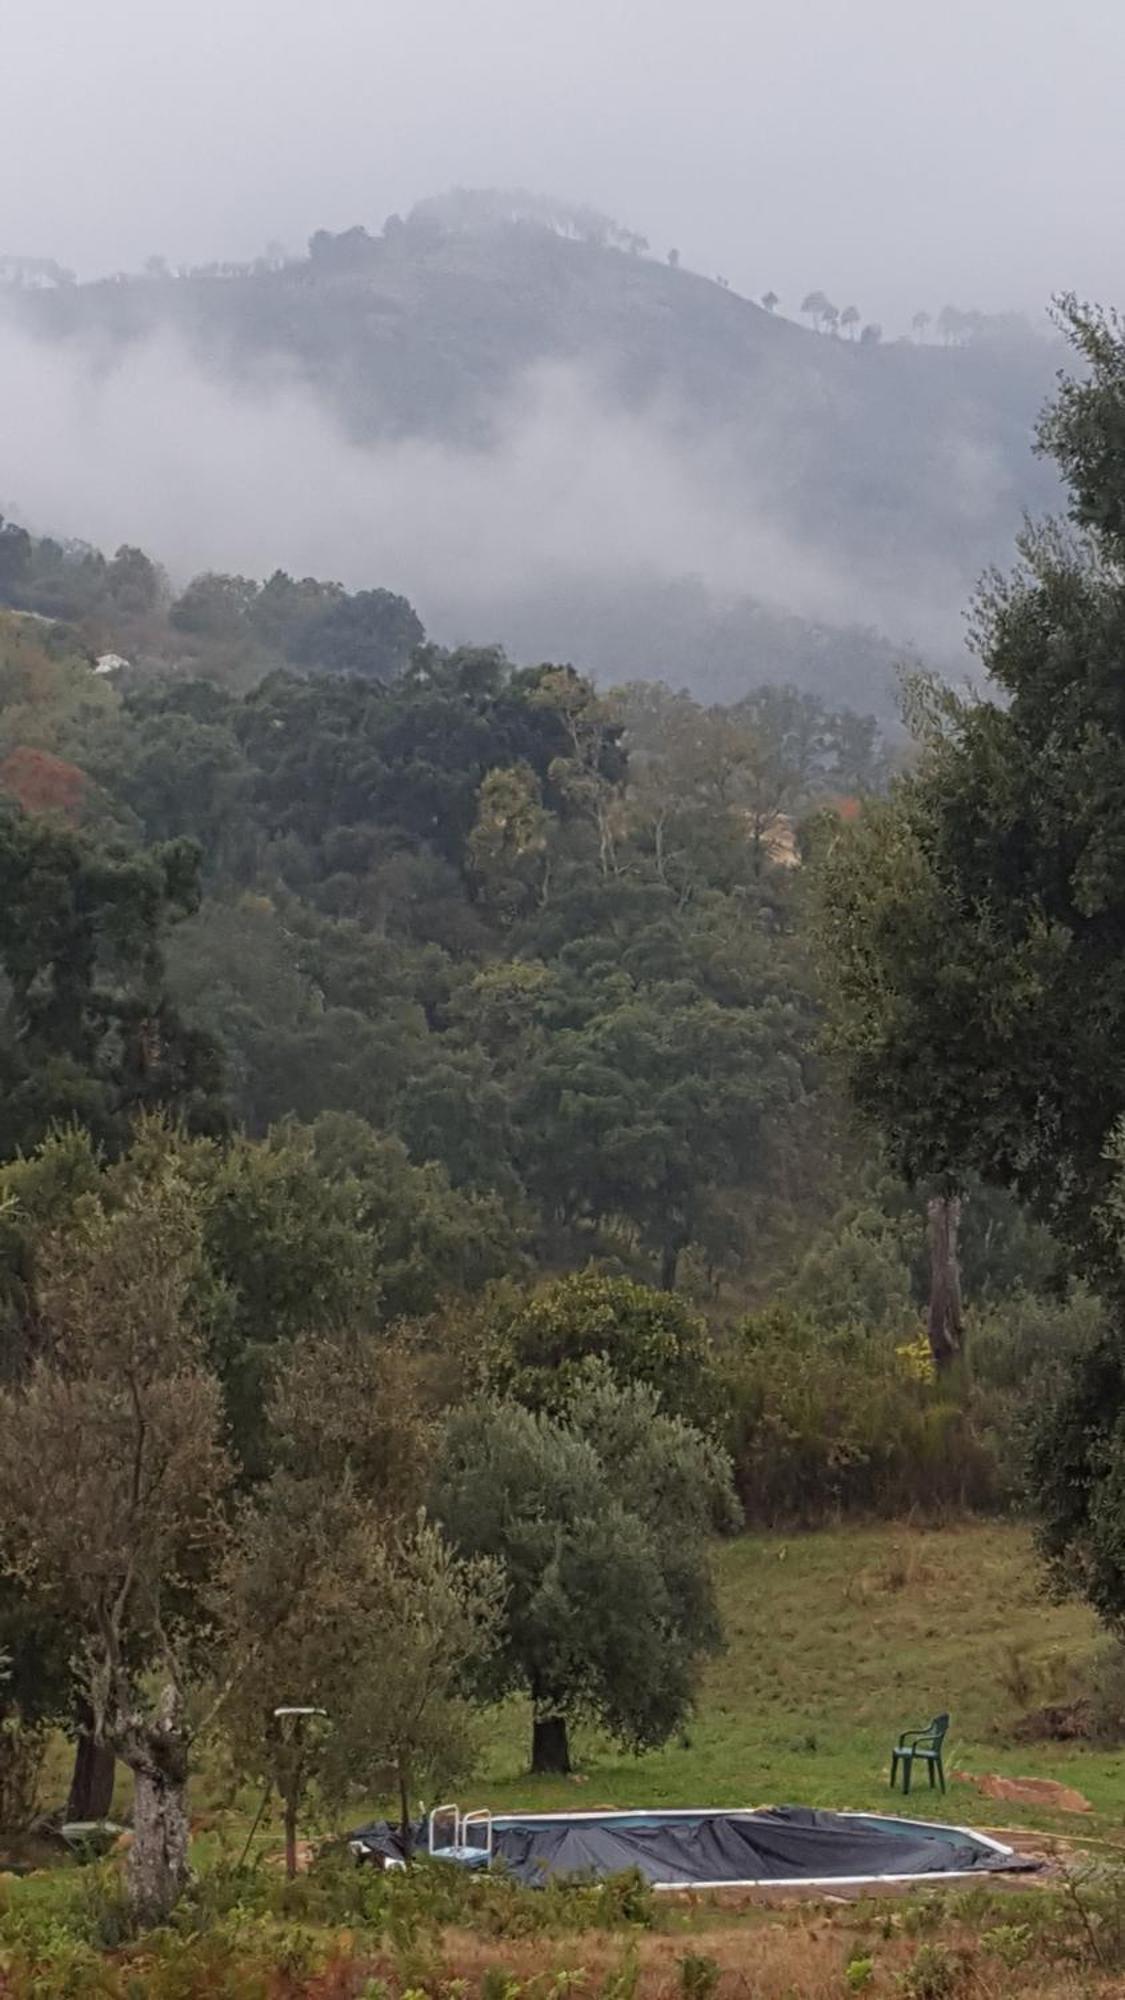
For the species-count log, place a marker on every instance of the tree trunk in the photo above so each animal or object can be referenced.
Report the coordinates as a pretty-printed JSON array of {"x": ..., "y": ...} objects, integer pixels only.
[
  {"x": 404, "y": 1814},
  {"x": 945, "y": 1315},
  {"x": 156, "y": 1751},
  {"x": 158, "y": 1858},
  {"x": 675, "y": 1245},
  {"x": 290, "y": 1821},
  {"x": 91, "y": 1783},
  {"x": 550, "y": 1748}
]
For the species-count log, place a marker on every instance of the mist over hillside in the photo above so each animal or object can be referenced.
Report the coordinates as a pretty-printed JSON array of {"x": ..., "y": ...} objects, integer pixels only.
[{"x": 542, "y": 435}]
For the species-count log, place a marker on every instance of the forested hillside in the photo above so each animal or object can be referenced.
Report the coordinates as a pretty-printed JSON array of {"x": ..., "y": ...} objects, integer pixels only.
[
  {"x": 537, "y": 937},
  {"x": 532, "y": 954},
  {"x": 708, "y": 492}
]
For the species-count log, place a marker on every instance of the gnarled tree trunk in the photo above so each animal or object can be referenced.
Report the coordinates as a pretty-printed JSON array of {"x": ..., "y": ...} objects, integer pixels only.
[
  {"x": 158, "y": 1858},
  {"x": 156, "y": 1752},
  {"x": 945, "y": 1323}
]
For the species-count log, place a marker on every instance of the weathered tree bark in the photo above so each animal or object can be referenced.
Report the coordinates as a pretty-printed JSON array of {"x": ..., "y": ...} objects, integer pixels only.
[
  {"x": 92, "y": 1779},
  {"x": 156, "y": 1752},
  {"x": 158, "y": 1858},
  {"x": 404, "y": 1815},
  {"x": 945, "y": 1323},
  {"x": 290, "y": 1822},
  {"x": 550, "y": 1746}
]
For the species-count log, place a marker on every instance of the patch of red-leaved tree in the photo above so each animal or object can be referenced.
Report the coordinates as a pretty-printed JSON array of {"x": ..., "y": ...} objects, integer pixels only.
[{"x": 42, "y": 783}]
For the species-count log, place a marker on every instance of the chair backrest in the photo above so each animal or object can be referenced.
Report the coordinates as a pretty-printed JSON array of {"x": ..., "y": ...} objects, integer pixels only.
[{"x": 938, "y": 1727}]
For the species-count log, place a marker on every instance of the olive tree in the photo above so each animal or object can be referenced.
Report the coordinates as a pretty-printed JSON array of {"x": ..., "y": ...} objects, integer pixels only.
[
  {"x": 113, "y": 1477},
  {"x": 382, "y": 1623},
  {"x": 599, "y": 1524}
]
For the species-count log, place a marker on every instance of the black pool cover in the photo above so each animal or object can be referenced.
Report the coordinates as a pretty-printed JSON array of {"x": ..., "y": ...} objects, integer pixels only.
[
  {"x": 785, "y": 1843},
  {"x": 776, "y": 1844}
]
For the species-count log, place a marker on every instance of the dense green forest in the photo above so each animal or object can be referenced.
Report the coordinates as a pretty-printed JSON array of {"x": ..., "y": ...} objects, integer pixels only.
[{"x": 546, "y": 941}]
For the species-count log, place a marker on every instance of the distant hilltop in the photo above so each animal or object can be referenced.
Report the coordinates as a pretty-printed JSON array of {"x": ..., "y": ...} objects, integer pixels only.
[{"x": 839, "y": 496}]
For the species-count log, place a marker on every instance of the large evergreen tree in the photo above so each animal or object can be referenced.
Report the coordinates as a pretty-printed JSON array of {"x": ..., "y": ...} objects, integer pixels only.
[
  {"x": 973, "y": 928},
  {"x": 89, "y": 1027},
  {"x": 973, "y": 935}
]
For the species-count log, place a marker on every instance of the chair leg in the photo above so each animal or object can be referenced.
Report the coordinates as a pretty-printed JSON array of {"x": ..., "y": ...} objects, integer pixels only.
[
  {"x": 930, "y": 1769},
  {"x": 941, "y": 1774},
  {"x": 894, "y": 1768},
  {"x": 907, "y": 1774}
]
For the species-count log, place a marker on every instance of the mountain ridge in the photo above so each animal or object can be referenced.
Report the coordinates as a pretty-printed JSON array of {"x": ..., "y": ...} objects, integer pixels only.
[{"x": 893, "y": 474}]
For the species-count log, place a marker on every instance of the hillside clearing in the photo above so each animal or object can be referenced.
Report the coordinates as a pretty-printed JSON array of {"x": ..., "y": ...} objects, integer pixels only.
[{"x": 835, "y": 1640}]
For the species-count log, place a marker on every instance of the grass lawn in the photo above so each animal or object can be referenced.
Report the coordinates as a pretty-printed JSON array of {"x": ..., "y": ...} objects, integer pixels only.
[{"x": 835, "y": 1641}]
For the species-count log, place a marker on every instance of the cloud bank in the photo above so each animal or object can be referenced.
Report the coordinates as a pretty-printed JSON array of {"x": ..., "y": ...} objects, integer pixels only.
[{"x": 147, "y": 447}]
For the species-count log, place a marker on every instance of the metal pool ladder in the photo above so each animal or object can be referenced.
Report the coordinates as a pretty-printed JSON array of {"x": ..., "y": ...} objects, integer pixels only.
[{"x": 469, "y": 1838}]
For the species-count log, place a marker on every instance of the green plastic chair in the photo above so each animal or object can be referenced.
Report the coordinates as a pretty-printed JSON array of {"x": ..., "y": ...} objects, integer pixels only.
[{"x": 922, "y": 1746}]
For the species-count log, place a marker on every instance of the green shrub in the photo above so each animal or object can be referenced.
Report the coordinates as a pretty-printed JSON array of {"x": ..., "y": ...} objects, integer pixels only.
[
  {"x": 858, "y": 1973},
  {"x": 543, "y": 1347},
  {"x": 828, "y": 1421},
  {"x": 1010, "y": 1943},
  {"x": 858, "y": 1272},
  {"x": 622, "y": 1981},
  {"x": 699, "y": 1976},
  {"x": 498, "y": 1984},
  {"x": 1089, "y": 1916},
  {"x": 1026, "y": 1335},
  {"x": 935, "y": 1973},
  {"x": 404, "y": 1910}
]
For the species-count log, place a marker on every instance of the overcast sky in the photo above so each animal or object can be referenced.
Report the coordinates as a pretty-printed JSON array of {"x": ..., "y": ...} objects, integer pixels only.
[{"x": 898, "y": 154}]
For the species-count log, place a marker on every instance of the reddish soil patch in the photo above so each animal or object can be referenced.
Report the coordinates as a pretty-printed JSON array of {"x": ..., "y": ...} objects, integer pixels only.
[{"x": 1026, "y": 1791}]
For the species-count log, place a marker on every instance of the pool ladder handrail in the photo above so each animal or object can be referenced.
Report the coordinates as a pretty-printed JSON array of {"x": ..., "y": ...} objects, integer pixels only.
[
  {"x": 480, "y": 1819},
  {"x": 438, "y": 1813}
]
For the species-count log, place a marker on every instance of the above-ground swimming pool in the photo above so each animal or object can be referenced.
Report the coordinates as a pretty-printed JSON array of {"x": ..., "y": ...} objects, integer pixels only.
[{"x": 702, "y": 1848}]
